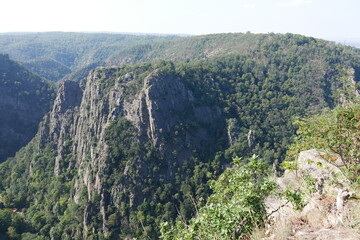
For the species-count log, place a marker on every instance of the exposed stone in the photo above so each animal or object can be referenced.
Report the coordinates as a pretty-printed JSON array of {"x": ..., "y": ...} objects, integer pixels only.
[
  {"x": 326, "y": 214},
  {"x": 82, "y": 115},
  {"x": 250, "y": 138},
  {"x": 233, "y": 130}
]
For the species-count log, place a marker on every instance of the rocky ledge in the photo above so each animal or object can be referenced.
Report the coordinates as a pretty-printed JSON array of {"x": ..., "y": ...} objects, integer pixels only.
[{"x": 326, "y": 207}]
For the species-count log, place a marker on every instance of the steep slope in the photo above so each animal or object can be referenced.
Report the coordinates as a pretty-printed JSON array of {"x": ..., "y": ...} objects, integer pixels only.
[
  {"x": 135, "y": 145},
  {"x": 24, "y": 100},
  {"x": 48, "y": 68}
]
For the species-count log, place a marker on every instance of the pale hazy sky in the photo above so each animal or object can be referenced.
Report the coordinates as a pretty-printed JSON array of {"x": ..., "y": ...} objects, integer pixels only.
[{"x": 329, "y": 19}]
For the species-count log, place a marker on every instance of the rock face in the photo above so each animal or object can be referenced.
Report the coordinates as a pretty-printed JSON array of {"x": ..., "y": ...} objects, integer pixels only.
[
  {"x": 24, "y": 100},
  {"x": 155, "y": 107},
  {"x": 326, "y": 213}
]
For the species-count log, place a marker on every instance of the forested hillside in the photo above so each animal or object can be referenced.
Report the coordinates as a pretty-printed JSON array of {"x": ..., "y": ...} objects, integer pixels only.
[
  {"x": 316, "y": 197},
  {"x": 24, "y": 100},
  {"x": 135, "y": 145}
]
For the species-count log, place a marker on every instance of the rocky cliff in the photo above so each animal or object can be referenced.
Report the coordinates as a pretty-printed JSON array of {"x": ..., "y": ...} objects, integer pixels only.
[{"x": 155, "y": 106}]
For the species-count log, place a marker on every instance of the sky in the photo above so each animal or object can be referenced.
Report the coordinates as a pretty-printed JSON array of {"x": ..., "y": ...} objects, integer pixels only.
[{"x": 336, "y": 20}]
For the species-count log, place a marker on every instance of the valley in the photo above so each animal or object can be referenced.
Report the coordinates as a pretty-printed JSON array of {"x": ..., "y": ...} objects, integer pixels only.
[{"x": 117, "y": 134}]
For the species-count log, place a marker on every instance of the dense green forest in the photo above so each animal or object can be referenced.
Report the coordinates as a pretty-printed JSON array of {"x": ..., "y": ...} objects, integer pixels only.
[
  {"x": 145, "y": 140},
  {"x": 24, "y": 99},
  {"x": 237, "y": 207}
]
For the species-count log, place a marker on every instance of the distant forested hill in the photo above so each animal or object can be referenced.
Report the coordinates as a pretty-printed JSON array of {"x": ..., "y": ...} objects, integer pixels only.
[{"x": 57, "y": 55}]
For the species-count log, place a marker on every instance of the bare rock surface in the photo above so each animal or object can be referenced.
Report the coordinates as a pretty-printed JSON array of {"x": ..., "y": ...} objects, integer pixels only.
[{"x": 328, "y": 212}]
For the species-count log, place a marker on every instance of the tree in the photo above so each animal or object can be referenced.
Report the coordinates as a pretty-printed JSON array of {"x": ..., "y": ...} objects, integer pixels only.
[
  {"x": 336, "y": 134},
  {"x": 234, "y": 209},
  {"x": 11, "y": 232}
]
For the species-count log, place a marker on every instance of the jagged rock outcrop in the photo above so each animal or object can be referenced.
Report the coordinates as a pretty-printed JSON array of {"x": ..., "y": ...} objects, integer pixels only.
[
  {"x": 56, "y": 127},
  {"x": 326, "y": 212},
  {"x": 161, "y": 105}
]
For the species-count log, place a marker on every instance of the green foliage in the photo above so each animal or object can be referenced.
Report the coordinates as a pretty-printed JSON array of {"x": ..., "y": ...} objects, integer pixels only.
[
  {"x": 263, "y": 97},
  {"x": 336, "y": 134},
  {"x": 12, "y": 225},
  {"x": 234, "y": 209},
  {"x": 161, "y": 198},
  {"x": 295, "y": 197}
]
